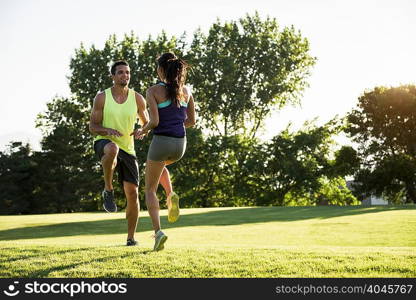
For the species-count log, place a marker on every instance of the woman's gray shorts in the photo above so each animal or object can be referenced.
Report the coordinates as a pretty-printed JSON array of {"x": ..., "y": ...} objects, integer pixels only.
[{"x": 165, "y": 148}]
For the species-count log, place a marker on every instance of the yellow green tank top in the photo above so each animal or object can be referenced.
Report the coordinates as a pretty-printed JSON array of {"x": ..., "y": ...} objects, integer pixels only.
[{"x": 121, "y": 117}]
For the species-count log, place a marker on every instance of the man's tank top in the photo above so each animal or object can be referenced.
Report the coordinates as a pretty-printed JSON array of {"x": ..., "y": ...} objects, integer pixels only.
[{"x": 121, "y": 117}]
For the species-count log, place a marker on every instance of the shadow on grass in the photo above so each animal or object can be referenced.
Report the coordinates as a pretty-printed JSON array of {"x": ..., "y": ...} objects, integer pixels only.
[
  {"x": 213, "y": 218},
  {"x": 63, "y": 266},
  {"x": 39, "y": 252},
  {"x": 25, "y": 254}
]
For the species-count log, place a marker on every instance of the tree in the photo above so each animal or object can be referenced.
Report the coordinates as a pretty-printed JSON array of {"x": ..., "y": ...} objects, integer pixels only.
[
  {"x": 383, "y": 126},
  {"x": 295, "y": 166},
  {"x": 346, "y": 161},
  {"x": 17, "y": 184},
  {"x": 334, "y": 191},
  {"x": 243, "y": 70},
  {"x": 67, "y": 153}
]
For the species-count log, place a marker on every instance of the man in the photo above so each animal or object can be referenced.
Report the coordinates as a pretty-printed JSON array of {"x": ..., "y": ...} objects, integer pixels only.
[{"x": 113, "y": 117}]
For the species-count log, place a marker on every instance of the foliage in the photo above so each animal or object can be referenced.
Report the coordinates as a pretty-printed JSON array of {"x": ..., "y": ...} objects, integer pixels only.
[
  {"x": 334, "y": 191},
  {"x": 383, "y": 125},
  {"x": 243, "y": 70},
  {"x": 291, "y": 165},
  {"x": 17, "y": 183}
]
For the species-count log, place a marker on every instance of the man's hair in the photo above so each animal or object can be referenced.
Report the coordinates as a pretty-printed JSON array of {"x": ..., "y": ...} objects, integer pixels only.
[{"x": 117, "y": 63}]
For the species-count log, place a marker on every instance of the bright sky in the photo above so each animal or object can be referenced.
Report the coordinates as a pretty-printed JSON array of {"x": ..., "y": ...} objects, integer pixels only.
[{"x": 359, "y": 44}]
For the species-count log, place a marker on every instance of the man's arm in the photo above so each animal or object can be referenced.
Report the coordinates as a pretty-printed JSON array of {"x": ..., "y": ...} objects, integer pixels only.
[
  {"x": 154, "y": 115},
  {"x": 141, "y": 110},
  {"x": 96, "y": 119},
  {"x": 147, "y": 122}
]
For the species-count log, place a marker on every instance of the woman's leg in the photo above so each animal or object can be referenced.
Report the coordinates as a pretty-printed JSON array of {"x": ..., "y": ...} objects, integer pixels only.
[
  {"x": 172, "y": 199},
  {"x": 165, "y": 181},
  {"x": 165, "y": 178},
  {"x": 153, "y": 171}
]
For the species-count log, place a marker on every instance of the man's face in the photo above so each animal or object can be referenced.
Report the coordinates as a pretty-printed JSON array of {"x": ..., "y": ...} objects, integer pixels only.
[{"x": 122, "y": 75}]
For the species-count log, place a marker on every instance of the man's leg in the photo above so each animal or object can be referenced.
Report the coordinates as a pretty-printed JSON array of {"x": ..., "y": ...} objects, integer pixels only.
[
  {"x": 109, "y": 162},
  {"x": 133, "y": 206},
  {"x": 153, "y": 171}
]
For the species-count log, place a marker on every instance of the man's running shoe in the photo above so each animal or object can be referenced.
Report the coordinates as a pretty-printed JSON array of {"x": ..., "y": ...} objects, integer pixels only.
[
  {"x": 108, "y": 201},
  {"x": 131, "y": 242}
]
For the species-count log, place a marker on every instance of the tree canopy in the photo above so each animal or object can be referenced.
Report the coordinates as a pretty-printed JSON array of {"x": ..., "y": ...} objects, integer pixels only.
[{"x": 383, "y": 125}]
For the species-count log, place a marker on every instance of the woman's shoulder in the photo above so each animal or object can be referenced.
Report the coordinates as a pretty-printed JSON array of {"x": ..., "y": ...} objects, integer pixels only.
[
  {"x": 156, "y": 88},
  {"x": 159, "y": 85}
]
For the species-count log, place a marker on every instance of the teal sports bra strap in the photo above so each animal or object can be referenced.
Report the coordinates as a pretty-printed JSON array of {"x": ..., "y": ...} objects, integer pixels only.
[{"x": 168, "y": 102}]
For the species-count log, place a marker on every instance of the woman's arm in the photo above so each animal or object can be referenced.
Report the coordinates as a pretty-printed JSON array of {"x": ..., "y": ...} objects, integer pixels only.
[{"x": 190, "y": 112}]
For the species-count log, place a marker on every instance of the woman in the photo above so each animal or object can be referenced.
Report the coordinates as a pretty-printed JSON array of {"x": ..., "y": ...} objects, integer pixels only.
[{"x": 171, "y": 110}]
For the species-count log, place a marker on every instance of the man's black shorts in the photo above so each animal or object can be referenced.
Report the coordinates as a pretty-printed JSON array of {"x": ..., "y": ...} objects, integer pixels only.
[{"x": 127, "y": 166}]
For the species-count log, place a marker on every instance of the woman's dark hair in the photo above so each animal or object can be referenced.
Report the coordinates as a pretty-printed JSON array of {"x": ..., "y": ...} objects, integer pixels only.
[{"x": 174, "y": 70}]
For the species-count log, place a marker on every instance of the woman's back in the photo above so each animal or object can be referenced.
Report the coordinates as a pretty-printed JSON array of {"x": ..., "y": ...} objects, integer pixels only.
[
  {"x": 161, "y": 95},
  {"x": 171, "y": 116}
]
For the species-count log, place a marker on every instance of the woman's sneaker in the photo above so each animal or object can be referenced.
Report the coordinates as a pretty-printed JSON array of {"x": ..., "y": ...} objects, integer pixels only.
[
  {"x": 160, "y": 239},
  {"x": 173, "y": 207},
  {"x": 108, "y": 199}
]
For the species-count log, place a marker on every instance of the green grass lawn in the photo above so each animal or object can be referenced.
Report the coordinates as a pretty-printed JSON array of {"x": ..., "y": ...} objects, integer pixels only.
[{"x": 216, "y": 242}]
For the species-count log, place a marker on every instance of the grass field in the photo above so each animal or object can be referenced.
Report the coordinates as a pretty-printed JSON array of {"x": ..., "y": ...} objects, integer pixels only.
[{"x": 216, "y": 242}]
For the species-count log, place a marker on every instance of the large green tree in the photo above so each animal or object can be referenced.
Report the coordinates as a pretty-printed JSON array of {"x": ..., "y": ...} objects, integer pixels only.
[
  {"x": 243, "y": 70},
  {"x": 383, "y": 125}
]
